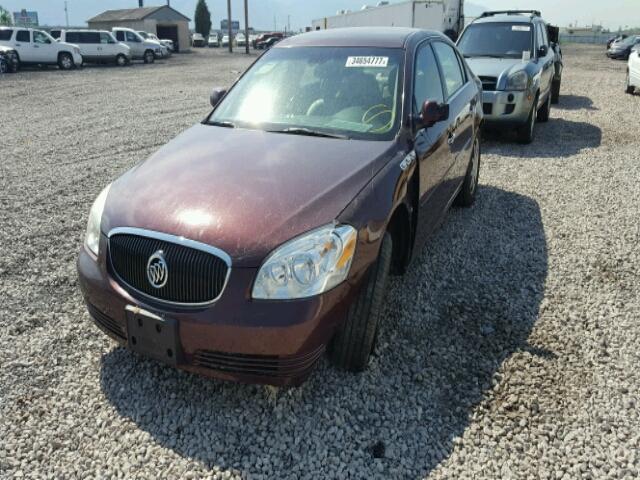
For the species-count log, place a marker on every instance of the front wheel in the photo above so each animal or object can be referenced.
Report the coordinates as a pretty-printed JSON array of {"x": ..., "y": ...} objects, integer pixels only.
[
  {"x": 121, "y": 60},
  {"x": 526, "y": 132},
  {"x": 555, "y": 91},
  {"x": 545, "y": 111},
  {"x": 467, "y": 194},
  {"x": 4, "y": 66},
  {"x": 352, "y": 345},
  {"x": 65, "y": 61},
  {"x": 149, "y": 57}
]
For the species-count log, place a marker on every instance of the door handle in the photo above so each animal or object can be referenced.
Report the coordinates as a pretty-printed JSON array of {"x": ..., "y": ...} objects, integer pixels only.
[{"x": 18, "y": 44}]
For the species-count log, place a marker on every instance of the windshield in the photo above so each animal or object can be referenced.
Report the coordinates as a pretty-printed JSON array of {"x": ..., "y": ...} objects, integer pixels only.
[
  {"x": 143, "y": 35},
  {"x": 504, "y": 40},
  {"x": 629, "y": 41},
  {"x": 353, "y": 92}
]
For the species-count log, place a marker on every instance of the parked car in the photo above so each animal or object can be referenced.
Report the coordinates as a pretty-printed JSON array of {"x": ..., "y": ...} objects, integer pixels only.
[
  {"x": 177, "y": 267},
  {"x": 622, "y": 49},
  {"x": 39, "y": 48},
  {"x": 197, "y": 40},
  {"x": 261, "y": 40},
  {"x": 98, "y": 46},
  {"x": 558, "y": 63},
  {"x": 225, "y": 41},
  {"x": 165, "y": 52},
  {"x": 617, "y": 38},
  {"x": 9, "y": 62},
  {"x": 633, "y": 71},
  {"x": 241, "y": 40},
  {"x": 141, "y": 49},
  {"x": 266, "y": 45},
  {"x": 511, "y": 54},
  {"x": 169, "y": 44},
  {"x": 214, "y": 41}
]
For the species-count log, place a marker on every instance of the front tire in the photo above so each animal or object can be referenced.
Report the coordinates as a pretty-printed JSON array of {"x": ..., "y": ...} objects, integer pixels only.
[
  {"x": 545, "y": 111},
  {"x": 526, "y": 133},
  {"x": 352, "y": 345},
  {"x": 4, "y": 67},
  {"x": 65, "y": 61},
  {"x": 467, "y": 194},
  {"x": 149, "y": 57},
  {"x": 121, "y": 60}
]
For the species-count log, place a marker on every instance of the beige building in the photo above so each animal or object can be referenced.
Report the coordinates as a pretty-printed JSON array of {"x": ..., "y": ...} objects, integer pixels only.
[{"x": 164, "y": 21}]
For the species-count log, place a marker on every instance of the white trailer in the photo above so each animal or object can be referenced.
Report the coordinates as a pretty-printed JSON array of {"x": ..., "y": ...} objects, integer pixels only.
[{"x": 446, "y": 16}]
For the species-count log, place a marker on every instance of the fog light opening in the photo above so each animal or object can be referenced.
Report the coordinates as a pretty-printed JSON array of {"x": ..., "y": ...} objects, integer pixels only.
[{"x": 510, "y": 98}]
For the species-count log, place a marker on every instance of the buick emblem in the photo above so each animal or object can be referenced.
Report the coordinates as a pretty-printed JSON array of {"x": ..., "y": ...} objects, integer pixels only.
[{"x": 157, "y": 271}]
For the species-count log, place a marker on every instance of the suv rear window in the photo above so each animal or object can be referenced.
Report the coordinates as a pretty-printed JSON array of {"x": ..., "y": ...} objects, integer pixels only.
[
  {"x": 23, "y": 36},
  {"x": 5, "y": 34},
  {"x": 499, "y": 39}
]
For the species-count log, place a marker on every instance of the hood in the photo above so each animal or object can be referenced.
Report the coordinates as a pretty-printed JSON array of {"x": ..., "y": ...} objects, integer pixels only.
[
  {"x": 494, "y": 67},
  {"x": 243, "y": 191}
]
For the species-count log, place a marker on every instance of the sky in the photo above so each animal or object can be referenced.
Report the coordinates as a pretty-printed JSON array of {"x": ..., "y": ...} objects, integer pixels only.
[{"x": 265, "y": 14}]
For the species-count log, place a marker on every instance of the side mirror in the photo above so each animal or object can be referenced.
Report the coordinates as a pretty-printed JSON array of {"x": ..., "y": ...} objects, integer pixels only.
[
  {"x": 432, "y": 112},
  {"x": 217, "y": 95},
  {"x": 542, "y": 51}
]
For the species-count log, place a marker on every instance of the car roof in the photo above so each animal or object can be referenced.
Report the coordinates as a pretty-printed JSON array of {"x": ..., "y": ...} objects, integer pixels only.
[
  {"x": 504, "y": 18},
  {"x": 386, "y": 37}
]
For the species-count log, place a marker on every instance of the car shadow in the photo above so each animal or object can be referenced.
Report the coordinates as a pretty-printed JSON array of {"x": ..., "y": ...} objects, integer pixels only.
[
  {"x": 574, "y": 102},
  {"x": 556, "y": 138},
  {"x": 467, "y": 304}
]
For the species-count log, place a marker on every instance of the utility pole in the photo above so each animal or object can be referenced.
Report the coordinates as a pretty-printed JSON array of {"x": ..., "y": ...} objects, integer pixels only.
[
  {"x": 246, "y": 26},
  {"x": 229, "y": 29},
  {"x": 66, "y": 12}
]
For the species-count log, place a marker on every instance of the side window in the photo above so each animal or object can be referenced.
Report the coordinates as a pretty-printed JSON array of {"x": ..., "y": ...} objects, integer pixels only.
[
  {"x": 72, "y": 37},
  {"x": 545, "y": 34},
  {"x": 23, "y": 36},
  {"x": 105, "y": 38},
  {"x": 427, "y": 84},
  {"x": 5, "y": 34},
  {"x": 120, "y": 36},
  {"x": 39, "y": 37},
  {"x": 90, "y": 37},
  {"x": 451, "y": 71},
  {"x": 131, "y": 37},
  {"x": 539, "y": 35}
]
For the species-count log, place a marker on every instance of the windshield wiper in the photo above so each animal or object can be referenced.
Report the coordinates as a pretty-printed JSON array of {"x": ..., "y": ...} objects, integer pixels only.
[
  {"x": 309, "y": 132},
  {"x": 224, "y": 123},
  {"x": 487, "y": 55}
]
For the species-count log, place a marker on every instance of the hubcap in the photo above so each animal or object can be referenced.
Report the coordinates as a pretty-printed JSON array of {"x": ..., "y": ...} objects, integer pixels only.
[{"x": 66, "y": 62}]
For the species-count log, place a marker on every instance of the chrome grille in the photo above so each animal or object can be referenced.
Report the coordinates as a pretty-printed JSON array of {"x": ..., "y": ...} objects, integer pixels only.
[
  {"x": 195, "y": 276},
  {"x": 489, "y": 83}
]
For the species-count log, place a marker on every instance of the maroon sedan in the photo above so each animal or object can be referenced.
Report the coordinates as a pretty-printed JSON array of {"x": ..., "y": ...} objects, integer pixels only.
[{"x": 263, "y": 236}]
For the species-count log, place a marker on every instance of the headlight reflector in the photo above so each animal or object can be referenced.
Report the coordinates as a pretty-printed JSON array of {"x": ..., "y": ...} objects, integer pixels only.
[
  {"x": 92, "y": 238},
  {"x": 518, "y": 81},
  {"x": 308, "y": 265}
]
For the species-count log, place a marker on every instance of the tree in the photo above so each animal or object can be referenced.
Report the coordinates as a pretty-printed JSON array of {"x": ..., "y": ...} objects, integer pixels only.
[
  {"x": 203, "y": 18},
  {"x": 5, "y": 17}
]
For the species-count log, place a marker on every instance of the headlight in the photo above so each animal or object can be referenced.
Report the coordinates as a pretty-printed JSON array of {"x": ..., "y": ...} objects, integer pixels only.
[
  {"x": 307, "y": 265},
  {"x": 92, "y": 238},
  {"x": 518, "y": 81}
]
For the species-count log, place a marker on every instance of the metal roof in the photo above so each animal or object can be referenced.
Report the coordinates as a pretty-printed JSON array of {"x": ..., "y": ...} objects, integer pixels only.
[
  {"x": 129, "y": 14},
  {"x": 502, "y": 18}
]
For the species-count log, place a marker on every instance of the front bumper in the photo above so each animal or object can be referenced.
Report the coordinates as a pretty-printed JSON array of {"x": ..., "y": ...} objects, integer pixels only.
[
  {"x": 619, "y": 54},
  {"x": 77, "y": 59},
  {"x": 235, "y": 338},
  {"x": 500, "y": 107}
]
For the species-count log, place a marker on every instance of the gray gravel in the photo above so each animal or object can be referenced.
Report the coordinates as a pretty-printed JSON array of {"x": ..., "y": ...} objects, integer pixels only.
[{"x": 510, "y": 350}]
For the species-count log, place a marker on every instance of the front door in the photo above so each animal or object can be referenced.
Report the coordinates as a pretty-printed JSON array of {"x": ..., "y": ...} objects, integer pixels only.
[
  {"x": 134, "y": 42},
  {"x": 44, "y": 49},
  {"x": 431, "y": 147}
]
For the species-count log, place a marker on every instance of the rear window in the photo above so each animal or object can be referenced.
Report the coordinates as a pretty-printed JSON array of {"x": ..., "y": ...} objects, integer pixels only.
[
  {"x": 23, "y": 36},
  {"x": 5, "y": 34}
]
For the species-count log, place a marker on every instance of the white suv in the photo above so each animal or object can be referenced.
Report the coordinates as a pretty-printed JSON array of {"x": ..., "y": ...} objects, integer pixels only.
[
  {"x": 40, "y": 48},
  {"x": 141, "y": 49},
  {"x": 633, "y": 71},
  {"x": 98, "y": 46}
]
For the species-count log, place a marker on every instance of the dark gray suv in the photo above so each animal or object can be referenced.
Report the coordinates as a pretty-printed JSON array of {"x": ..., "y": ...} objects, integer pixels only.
[{"x": 510, "y": 51}]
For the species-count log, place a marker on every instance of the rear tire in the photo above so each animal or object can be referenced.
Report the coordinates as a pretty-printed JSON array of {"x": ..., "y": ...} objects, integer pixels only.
[
  {"x": 149, "y": 57},
  {"x": 65, "y": 61},
  {"x": 555, "y": 91},
  {"x": 4, "y": 67},
  {"x": 352, "y": 345},
  {"x": 630, "y": 88},
  {"x": 526, "y": 133},
  {"x": 467, "y": 194}
]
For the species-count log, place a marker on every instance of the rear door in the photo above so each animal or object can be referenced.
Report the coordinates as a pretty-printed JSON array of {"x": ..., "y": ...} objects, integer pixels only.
[
  {"x": 22, "y": 44},
  {"x": 431, "y": 148},
  {"x": 461, "y": 97}
]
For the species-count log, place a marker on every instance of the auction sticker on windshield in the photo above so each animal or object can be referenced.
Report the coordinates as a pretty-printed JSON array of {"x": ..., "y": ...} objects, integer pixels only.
[
  {"x": 521, "y": 28},
  {"x": 367, "y": 62}
]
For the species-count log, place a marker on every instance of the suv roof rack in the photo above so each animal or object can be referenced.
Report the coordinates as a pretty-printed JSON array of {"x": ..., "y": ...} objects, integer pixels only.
[{"x": 533, "y": 13}]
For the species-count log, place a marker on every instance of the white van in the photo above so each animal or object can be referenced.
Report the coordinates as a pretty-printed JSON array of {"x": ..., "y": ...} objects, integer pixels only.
[
  {"x": 98, "y": 46},
  {"x": 141, "y": 49},
  {"x": 39, "y": 48}
]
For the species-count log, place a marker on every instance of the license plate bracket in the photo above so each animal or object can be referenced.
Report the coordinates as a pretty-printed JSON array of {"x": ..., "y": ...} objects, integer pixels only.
[{"x": 153, "y": 336}]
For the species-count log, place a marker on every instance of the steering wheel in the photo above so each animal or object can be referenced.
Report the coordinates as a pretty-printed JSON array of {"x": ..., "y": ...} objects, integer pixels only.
[
  {"x": 315, "y": 106},
  {"x": 377, "y": 111}
]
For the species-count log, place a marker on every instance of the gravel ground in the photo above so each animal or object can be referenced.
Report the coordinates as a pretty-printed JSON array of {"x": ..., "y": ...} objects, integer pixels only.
[{"x": 509, "y": 350}]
